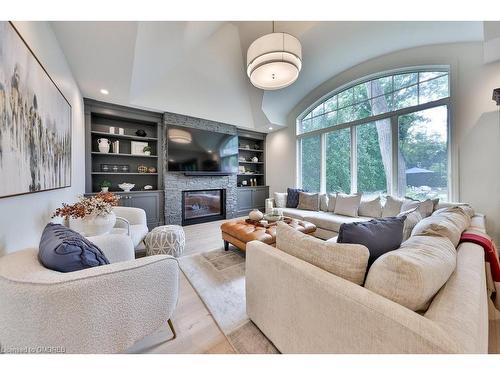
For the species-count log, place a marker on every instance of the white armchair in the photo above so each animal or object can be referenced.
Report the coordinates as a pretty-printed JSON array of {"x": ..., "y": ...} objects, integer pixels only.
[
  {"x": 132, "y": 221},
  {"x": 103, "y": 309}
]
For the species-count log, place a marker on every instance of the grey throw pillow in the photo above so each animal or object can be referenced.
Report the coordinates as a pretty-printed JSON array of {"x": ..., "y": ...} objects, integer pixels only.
[
  {"x": 308, "y": 201},
  {"x": 378, "y": 235},
  {"x": 64, "y": 250}
]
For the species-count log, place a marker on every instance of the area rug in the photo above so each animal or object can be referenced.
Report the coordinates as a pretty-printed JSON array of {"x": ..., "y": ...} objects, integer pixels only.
[{"x": 218, "y": 277}]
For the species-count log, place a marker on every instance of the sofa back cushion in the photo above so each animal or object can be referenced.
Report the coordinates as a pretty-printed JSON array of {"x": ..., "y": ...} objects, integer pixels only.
[
  {"x": 425, "y": 207},
  {"x": 308, "y": 201},
  {"x": 450, "y": 223},
  {"x": 347, "y": 205},
  {"x": 292, "y": 197},
  {"x": 392, "y": 206},
  {"x": 64, "y": 250},
  {"x": 348, "y": 261},
  {"x": 280, "y": 200},
  {"x": 414, "y": 273},
  {"x": 370, "y": 208},
  {"x": 378, "y": 235}
]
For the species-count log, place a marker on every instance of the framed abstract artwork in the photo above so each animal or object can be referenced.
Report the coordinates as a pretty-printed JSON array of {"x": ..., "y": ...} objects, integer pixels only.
[{"x": 35, "y": 122}]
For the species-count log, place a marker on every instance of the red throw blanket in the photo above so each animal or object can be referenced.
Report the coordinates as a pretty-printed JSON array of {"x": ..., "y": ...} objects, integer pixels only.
[{"x": 490, "y": 251}]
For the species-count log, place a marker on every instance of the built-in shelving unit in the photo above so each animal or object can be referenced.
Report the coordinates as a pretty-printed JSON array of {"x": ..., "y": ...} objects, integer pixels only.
[
  {"x": 250, "y": 196},
  {"x": 104, "y": 120}
]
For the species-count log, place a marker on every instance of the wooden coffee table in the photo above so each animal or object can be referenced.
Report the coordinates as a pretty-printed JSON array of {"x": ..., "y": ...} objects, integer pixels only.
[{"x": 240, "y": 232}]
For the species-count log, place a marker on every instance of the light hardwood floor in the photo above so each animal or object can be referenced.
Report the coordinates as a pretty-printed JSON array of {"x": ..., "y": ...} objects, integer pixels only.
[{"x": 196, "y": 329}]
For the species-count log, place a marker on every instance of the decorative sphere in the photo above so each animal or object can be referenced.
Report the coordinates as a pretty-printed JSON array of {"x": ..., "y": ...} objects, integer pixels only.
[{"x": 255, "y": 215}]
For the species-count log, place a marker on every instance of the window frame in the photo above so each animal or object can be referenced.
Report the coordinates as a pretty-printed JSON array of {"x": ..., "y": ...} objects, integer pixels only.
[{"x": 393, "y": 116}]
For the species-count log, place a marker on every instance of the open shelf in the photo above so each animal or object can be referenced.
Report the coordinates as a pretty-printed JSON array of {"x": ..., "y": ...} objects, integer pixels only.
[
  {"x": 250, "y": 150},
  {"x": 126, "y": 173},
  {"x": 123, "y": 136},
  {"x": 251, "y": 162},
  {"x": 250, "y": 174},
  {"x": 126, "y": 155}
]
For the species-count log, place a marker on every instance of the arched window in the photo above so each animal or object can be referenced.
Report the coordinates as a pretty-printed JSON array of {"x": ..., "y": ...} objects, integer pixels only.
[{"x": 384, "y": 135}]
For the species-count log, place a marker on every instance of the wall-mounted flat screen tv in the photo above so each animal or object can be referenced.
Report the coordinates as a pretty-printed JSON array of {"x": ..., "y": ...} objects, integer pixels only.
[{"x": 195, "y": 150}]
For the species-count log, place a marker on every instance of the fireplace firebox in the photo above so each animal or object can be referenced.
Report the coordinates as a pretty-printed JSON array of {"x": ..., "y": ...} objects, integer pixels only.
[{"x": 201, "y": 206}]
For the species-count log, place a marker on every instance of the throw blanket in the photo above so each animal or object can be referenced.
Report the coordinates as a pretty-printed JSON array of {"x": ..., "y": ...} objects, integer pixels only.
[{"x": 490, "y": 251}]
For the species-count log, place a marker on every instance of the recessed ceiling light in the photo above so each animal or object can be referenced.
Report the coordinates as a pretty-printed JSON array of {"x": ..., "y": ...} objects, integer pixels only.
[
  {"x": 104, "y": 92},
  {"x": 270, "y": 128}
]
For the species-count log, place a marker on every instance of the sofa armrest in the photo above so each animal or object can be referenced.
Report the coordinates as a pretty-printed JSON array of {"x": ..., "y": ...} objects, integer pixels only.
[
  {"x": 98, "y": 310},
  {"x": 303, "y": 309},
  {"x": 116, "y": 247}
]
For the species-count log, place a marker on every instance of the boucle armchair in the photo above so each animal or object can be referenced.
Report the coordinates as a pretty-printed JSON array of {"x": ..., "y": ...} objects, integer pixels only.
[
  {"x": 133, "y": 221},
  {"x": 103, "y": 309}
]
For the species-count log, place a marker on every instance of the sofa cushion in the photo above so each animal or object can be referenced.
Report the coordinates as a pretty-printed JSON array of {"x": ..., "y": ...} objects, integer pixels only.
[
  {"x": 378, "y": 235},
  {"x": 414, "y": 273},
  {"x": 332, "y": 198},
  {"x": 413, "y": 217},
  {"x": 308, "y": 201},
  {"x": 329, "y": 220},
  {"x": 344, "y": 260},
  {"x": 64, "y": 250},
  {"x": 347, "y": 205},
  {"x": 370, "y": 208},
  {"x": 392, "y": 206},
  {"x": 449, "y": 223},
  {"x": 465, "y": 208},
  {"x": 280, "y": 200},
  {"x": 323, "y": 202},
  {"x": 292, "y": 197},
  {"x": 296, "y": 213},
  {"x": 409, "y": 204}
]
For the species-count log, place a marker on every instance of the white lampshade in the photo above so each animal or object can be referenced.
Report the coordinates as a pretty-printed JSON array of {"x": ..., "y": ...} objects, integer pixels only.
[
  {"x": 179, "y": 136},
  {"x": 274, "y": 61}
]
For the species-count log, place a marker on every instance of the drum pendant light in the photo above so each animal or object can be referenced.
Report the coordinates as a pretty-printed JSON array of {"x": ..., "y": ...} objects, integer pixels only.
[{"x": 274, "y": 61}]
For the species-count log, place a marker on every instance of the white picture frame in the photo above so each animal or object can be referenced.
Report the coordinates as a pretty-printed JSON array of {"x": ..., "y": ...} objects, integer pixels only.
[{"x": 137, "y": 148}]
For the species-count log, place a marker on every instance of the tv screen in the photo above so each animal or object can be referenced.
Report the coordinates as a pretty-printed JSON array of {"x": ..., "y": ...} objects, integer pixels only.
[{"x": 195, "y": 150}]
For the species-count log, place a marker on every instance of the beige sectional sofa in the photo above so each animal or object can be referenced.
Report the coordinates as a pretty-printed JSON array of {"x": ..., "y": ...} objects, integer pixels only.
[{"x": 302, "y": 307}]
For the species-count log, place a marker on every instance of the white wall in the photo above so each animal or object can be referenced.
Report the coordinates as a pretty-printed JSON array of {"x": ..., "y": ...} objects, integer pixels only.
[
  {"x": 475, "y": 124},
  {"x": 22, "y": 218}
]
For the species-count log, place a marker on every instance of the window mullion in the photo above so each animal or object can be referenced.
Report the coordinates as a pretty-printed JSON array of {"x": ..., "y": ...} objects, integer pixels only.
[
  {"x": 395, "y": 152},
  {"x": 354, "y": 161},
  {"x": 323, "y": 163}
]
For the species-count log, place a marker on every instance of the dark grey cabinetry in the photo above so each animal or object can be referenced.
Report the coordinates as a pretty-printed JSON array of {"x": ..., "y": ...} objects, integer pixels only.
[
  {"x": 250, "y": 198},
  {"x": 149, "y": 202}
]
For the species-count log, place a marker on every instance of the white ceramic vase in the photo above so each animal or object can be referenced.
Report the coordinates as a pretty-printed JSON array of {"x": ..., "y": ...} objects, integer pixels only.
[
  {"x": 103, "y": 145},
  {"x": 94, "y": 225},
  {"x": 104, "y": 189}
]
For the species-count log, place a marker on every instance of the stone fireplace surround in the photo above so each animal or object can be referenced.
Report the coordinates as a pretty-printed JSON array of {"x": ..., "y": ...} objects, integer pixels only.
[{"x": 176, "y": 182}]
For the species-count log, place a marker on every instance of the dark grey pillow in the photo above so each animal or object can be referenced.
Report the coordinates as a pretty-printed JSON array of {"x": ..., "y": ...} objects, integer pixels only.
[
  {"x": 292, "y": 198},
  {"x": 378, "y": 235},
  {"x": 64, "y": 250}
]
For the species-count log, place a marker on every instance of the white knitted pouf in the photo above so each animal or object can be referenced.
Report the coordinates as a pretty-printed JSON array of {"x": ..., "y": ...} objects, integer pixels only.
[{"x": 167, "y": 239}]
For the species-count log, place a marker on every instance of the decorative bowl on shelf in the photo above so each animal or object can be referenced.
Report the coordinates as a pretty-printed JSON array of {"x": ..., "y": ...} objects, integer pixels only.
[
  {"x": 126, "y": 186},
  {"x": 142, "y": 169},
  {"x": 148, "y": 187}
]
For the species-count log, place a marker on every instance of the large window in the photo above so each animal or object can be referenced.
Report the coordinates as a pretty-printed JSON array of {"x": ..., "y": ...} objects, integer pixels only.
[{"x": 385, "y": 135}]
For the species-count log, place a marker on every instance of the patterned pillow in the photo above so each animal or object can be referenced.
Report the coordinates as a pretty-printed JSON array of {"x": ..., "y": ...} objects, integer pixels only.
[
  {"x": 292, "y": 198},
  {"x": 308, "y": 201}
]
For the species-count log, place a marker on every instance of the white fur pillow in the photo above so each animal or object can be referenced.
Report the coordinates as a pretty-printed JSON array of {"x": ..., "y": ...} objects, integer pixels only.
[{"x": 280, "y": 200}]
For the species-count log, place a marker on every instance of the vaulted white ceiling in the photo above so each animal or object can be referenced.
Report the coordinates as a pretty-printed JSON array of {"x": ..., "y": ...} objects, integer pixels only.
[{"x": 198, "y": 68}]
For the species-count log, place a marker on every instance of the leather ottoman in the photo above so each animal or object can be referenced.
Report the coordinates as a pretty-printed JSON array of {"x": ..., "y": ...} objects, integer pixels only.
[{"x": 239, "y": 232}]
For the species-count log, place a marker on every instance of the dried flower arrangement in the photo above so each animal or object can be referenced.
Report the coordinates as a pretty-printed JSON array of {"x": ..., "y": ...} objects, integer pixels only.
[{"x": 100, "y": 204}]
